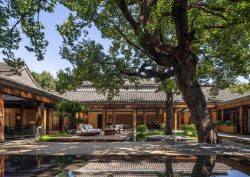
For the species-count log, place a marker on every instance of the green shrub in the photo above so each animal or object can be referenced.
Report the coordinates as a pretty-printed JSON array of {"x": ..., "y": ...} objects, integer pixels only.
[
  {"x": 189, "y": 130},
  {"x": 219, "y": 122},
  {"x": 141, "y": 137},
  {"x": 162, "y": 126},
  {"x": 224, "y": 123},
  {"x": 142, "y": 128},
  {"x": 190, "y": 127},
  {"x": 229, "y": 123},
  {"x": 81, "y": 120}
]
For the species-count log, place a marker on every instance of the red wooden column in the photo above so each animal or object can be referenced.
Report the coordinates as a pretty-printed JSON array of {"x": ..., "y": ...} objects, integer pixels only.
[
  {"x": 134, "y": 118},
  {"x": 144, "y": 117},
  {"x": 104, "y": 117},
  {"x": 2, "y": 166},
  {"x": 175, "y": 121},
  {"x": 164, "y": 116},
  {"x": 1, "y": 119},
  {"x": 222, "y": 114},
  {"x": 241, "y": 119}
]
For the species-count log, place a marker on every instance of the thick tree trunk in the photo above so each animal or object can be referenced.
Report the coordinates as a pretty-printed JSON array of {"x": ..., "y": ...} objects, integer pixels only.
[
  {"x": 169, "y": 108},
  {"x": 196, "y": 103},
  {"x": 195, "y": 100},
  {"x": 203, "y": 166}
]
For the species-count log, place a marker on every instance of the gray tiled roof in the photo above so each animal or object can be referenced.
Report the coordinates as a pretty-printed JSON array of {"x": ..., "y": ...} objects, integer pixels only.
[
  {"x": 23, "y": 80},
  {"x": 24, "y": 76},
  {"x": 145, "y": 94}
]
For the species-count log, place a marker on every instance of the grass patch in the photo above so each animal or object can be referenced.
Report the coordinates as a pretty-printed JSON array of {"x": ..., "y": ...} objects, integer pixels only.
[
  {"x": 187, "y": 133},
  {"x": 155, "y": 132},
  {"x": 49, "y": 137}
]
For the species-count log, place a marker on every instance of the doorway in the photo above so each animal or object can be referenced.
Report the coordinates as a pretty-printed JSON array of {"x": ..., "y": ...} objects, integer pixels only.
[{"x": 99, "y": 121}]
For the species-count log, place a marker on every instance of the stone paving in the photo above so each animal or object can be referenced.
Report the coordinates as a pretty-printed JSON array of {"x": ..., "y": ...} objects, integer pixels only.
[{"x": 124, "y": 148}]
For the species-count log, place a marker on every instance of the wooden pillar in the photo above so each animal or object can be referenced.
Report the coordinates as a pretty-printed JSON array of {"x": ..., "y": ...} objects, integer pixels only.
[
  {"x": 175, "y": 120},
  {"x": 113, "y": 117},
  {"x": 144, "y": 117},
  {"x": 241, "y": 120},
  {"x": 164, "y": 116},
  {"x": 22, "y": 119},
  {"x": 104, "y": 115},
  {"x": 1, "y": 119},
  {"x": 134, "y": 118},
  {"x": 1, "y": 166},
  {"x": 222, "y": 114}
]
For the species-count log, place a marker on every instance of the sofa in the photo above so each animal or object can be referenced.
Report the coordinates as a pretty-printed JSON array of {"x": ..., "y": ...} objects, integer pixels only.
[{"x": 87, "y": 130}]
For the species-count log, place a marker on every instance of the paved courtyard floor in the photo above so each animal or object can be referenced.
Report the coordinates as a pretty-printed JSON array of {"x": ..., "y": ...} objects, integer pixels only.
[{"x": 124, "y": 148}]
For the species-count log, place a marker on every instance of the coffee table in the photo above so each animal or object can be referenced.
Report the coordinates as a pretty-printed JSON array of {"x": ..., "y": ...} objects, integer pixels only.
[{"x": 109, "y": 131}]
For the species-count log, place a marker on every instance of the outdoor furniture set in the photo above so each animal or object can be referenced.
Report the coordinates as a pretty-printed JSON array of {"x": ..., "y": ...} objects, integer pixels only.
[{"x": 88, "y": 130}]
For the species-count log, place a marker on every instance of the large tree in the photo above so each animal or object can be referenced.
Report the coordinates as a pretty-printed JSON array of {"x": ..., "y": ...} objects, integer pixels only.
[{"x": 190, "y": 41}]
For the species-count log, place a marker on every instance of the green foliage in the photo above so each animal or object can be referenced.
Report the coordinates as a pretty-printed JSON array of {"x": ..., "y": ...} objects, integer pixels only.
[
  {"x": 142, "y": 128},
  {"x": 162, "y": 126},
  {"x": 49, "y": 137},
  {"x": 240, "y": 87},
  {"x": 71, "y": 107},
  {"x": 188, "y": 130},
  {"x": 45, "y": 80},
  {"x": 141, "y": 137},
  {"x": 155, "y": 132},
  {"x": 221, "y": 39},
  {"x": 190, "y": 127},
  {"x": 18, "y": 19},
  {"x": 225, "y": 123},
  {"x": 81, "y": 120},
  {"x": 229, "y": 123}
]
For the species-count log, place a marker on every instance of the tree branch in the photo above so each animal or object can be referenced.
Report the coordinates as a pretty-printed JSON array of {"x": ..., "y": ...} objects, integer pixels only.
[
  {"x": 179, "y": 12},
  {"x": 124, "y": 8},
  {"x": 131, "y": 43},
  {"x": 148, "y": 73}
]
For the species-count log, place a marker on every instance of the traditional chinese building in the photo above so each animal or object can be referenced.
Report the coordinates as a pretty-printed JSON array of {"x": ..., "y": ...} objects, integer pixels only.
[{"x": 23, "y": 103}]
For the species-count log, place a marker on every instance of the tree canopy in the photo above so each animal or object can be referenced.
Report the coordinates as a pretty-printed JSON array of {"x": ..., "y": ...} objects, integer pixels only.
[
  {"x": 45, "y": 80},
  {"x": 144, "y": 37}
]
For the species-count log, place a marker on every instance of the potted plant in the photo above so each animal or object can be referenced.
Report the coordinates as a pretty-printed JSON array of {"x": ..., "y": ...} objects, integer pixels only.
[{"x": 226, "y": 126}]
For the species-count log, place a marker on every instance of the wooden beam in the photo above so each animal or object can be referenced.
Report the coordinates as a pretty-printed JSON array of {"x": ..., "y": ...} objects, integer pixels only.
[
  {"x": 1, "y": 119},
  {"x": 26, "y": 94},
  {"x": 144, "y": 117},
  {"x": 138, "y": 106},
  {"x": 134, "y": 118},
  {"x": 234, "y": 103}
]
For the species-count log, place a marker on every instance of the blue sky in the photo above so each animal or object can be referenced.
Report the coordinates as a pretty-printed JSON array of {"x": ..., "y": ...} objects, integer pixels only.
[{"x": 53, "y": 61}]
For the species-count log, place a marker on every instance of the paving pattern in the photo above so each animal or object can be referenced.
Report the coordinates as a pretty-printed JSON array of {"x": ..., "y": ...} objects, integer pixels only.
[{"x": 125, "y": 148}]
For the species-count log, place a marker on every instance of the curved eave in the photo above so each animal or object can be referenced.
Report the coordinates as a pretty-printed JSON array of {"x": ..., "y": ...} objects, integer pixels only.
[{"x": 8, "y": 83}]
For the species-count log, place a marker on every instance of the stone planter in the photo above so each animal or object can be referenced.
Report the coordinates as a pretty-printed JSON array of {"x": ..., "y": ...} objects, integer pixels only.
[{"x": 227, "y": 129}]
